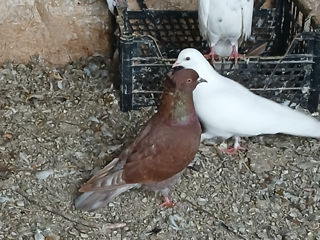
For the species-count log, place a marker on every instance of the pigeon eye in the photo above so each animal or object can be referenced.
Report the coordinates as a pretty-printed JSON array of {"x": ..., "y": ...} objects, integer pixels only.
[
  {"x": 187, "y": 58},
  {"x": 189, "y": 80}
]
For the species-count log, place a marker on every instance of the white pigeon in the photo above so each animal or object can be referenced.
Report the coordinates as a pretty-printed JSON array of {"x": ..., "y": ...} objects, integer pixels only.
[
  {"x": 111, "y": 5},
  {"x": 115, "y": 3},
  {"x": 228, "y": 109},
  {"x": 225, "y": 23}
]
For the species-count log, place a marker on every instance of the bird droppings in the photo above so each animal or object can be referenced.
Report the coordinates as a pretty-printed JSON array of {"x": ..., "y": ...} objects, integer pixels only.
[
  {"x": 59, "y": 84},
  {"x": 44, "y": 174},
  {"x": 94, "y": 119},
  {"x": 38, "y": 235},
  {"x": 176, "y": 222},
  {"x": 274, "y": 195},
  {"x": 20, "y": 204},
  {"x": 4, "y": 199}
]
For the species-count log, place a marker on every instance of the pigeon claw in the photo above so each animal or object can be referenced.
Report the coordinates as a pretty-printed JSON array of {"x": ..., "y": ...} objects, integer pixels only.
[{"x": 167, "y": 203}]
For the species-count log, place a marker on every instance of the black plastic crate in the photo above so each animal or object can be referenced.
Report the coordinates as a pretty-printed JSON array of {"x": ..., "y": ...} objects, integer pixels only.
[{"x": 288, "y": 70}]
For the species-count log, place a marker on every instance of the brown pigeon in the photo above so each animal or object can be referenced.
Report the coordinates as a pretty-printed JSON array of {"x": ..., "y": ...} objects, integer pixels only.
[{"x": 160, "y": 152}]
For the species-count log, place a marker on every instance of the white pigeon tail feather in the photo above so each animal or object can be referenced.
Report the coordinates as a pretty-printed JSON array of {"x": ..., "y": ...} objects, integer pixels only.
[
  {"x": 283, "y": 119},
  {"x": 253, "y": 115}
]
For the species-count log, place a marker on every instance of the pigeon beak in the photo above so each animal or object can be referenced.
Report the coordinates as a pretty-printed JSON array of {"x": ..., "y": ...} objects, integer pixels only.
[
  {"x": 176, "y": 64},
  {"x": 201, "y": 80}
]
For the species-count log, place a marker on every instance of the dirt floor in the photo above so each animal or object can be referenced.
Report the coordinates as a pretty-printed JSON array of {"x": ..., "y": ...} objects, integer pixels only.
[{"x": 58, "y": 126}]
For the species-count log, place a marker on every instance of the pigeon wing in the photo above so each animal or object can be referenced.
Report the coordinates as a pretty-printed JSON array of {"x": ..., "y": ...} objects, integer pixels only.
[
  {"x": 203, "y": 15},
  {"x": 161, "y": 155},
  {"x": 247, "y": 11}
]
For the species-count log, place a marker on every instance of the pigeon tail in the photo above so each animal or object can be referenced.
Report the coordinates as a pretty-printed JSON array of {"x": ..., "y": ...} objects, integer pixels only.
[
  {"x": 300, "y": 124},
  {"x": 273, "y": 118},
  {"x": 277, "y": 118},
  {"x": 90, "y": 201},
  {"x": 103, "y": 187}
]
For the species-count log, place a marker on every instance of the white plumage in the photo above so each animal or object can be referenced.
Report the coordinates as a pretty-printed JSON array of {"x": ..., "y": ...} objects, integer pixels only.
[
  {"x": 116, "y": 3},
  {"x": 223, "y": 23},
  {"x": 111, "y": 5},
  {"x": 228, "y": 109}
]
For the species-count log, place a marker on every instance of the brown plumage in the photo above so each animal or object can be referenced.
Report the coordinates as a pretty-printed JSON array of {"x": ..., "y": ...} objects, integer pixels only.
[{"x": 160, "y": 152}]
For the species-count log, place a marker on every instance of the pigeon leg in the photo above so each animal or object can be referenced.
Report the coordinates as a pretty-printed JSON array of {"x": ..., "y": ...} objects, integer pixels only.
[
  {"x": 236, "y": 147},
  {"x": 234, "y": 54},
  {"x": 166, "y": 202},
  {"x": 210, "y": 55}
]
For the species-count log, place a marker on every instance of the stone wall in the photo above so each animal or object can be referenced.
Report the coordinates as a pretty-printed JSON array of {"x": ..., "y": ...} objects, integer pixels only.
[
  {"x": 58, "y": 30},
  {"x": 61, "y": 30}
]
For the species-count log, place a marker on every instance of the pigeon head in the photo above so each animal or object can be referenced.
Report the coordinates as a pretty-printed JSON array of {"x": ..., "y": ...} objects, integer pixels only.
[
  {"x": 185, "y": 80},
  {"x": 192, "y": 59},
  {"x": 177, "y": 98}
]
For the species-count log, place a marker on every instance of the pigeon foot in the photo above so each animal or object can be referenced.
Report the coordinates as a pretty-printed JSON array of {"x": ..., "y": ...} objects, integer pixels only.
[
  {"x": 167, "y": 203},
  {"x": 211, "y": 55},
  {"x": 233, "y": 150},
  {"x": 235, "y": 55}
]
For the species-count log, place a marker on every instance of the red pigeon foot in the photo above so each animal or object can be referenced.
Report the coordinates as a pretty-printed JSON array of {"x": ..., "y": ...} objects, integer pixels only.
[
  {"x": 233, "y": 150},
  {"x": 211, "y": 55},
  {"x": 235, "y": 55},
  {"x": 167, "y": 203}
]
